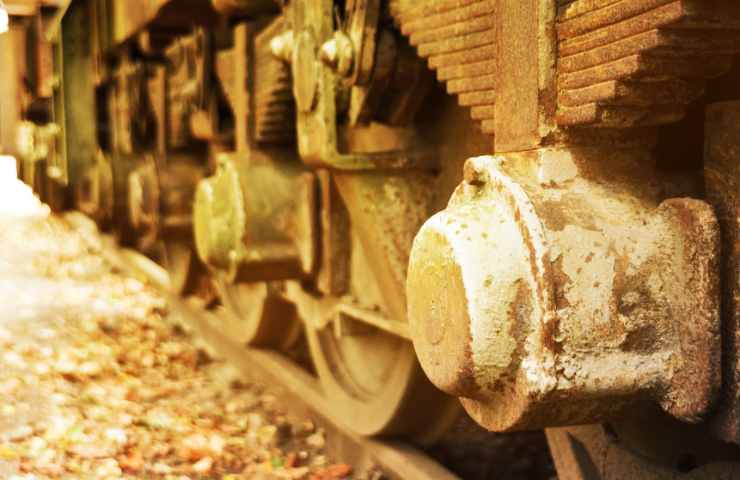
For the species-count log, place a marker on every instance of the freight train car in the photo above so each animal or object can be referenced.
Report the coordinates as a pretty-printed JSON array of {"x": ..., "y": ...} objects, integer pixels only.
[{"x": 523, "y": 209}]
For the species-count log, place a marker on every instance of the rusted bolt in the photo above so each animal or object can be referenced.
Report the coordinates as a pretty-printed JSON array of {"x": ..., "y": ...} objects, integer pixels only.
[
  {"x": 543, "y": 306},
  {"x": 338, "y": 54},
  {"x": 473, "y": 175},
  {"x": 281, "y": 46}
]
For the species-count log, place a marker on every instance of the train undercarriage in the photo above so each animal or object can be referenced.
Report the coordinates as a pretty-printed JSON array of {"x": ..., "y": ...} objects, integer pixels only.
[{"x": 520, "y": 210}]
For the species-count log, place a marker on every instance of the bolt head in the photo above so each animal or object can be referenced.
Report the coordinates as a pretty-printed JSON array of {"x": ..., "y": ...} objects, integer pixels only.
[
  {"x": 281, "y": 46},
  {"x": 338, "y": 54},
  {"x": 329, "y": 53}
]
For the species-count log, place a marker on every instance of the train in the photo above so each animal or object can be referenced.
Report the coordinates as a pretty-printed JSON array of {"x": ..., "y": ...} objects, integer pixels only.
[{"x": 522, "y": 211}]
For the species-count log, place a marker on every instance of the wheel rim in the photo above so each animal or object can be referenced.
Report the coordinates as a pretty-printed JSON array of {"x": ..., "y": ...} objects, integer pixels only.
[
  {"x": 256, "y": 315},
  {"x": 376, "y": 386}
]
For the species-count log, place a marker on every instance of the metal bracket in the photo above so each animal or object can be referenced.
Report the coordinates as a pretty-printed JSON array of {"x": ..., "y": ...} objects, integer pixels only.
[{"x": 317, "y": 96}]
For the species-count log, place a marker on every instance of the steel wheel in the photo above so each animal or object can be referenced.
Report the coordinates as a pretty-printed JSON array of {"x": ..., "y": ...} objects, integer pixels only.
[
  {"x": 371, "y": 376},
  {"x": 257, "y": 315},
  {"x": 376, "y": 385}
]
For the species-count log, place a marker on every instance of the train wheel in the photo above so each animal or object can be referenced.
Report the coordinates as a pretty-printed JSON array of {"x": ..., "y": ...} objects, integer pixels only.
[
  {"x": 375, "y": 384},
  {"x": 257, "y": 315},
  {"x": 371, "y": 376}
]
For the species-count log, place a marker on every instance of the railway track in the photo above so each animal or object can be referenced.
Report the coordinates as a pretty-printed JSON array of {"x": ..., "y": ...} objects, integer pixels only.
[{"x": 296, "y": 389}]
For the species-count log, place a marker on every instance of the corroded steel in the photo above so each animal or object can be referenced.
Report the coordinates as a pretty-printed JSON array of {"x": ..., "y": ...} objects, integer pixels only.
[
  {"x": 318, "y": 99},
  {"x": 628, "y": 63},
  {"x": 160, "y": 198},
  {"x": 598, "y": 451},
  {"x": 258, "y": 315},
  {"x": 251, "y": 235},
  {"x": 722, "y": 173},
  {"x": 273, "y": 105},
  {"x": 458, "y": 39},
  {"x": 547, "y": 297},
  {"x": 130, "y": 17},
  {"x": 338, "y": 53}
]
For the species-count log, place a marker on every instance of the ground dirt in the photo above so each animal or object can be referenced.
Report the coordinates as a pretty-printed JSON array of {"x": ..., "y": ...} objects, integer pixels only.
[{"x": 98, "y": 384}]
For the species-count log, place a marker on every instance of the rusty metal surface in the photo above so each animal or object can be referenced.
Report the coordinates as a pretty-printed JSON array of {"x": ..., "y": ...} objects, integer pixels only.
[
  {"x": 722, "y": 172},
  {"x": 160, "y": 200},
  {"x": 632, "y": 63},
  {"x": 605, "y": 452},
  {"x": 597, "y": 295},
  {"x": 129, "y": 17},
  {"x": 30, "y": 7},
  {"x": 457, "y": 39},
  {"x": 319, "y": 103},
  {"x": 251, "y": 235}
]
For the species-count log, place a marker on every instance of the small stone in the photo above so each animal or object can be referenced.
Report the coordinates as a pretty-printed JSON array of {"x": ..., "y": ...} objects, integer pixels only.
[
  {"x": 117, "y": 436},
  {"x": 36, "y": 445},
  {"x": 132, "y": 462},
  {"x": 90, "y": 369},
  {"x": 305, "y": 428},
  {"x": 90, "y": 450},
  {"x": 204, "y": 465},
  {"x": 267, "y": 435},
  {"x": 316, "y": 440}
]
